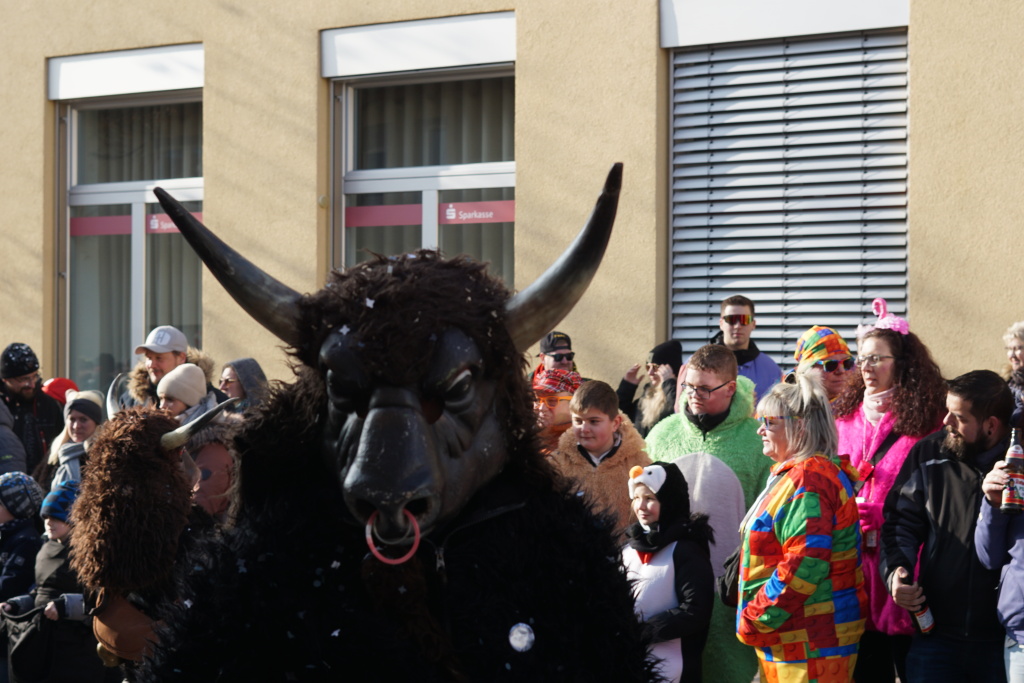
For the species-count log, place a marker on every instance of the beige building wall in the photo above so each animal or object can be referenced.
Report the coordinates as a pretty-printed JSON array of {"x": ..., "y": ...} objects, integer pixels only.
[
  {"x": 966, "y": 177},
  {"x": 590, "y": 91}
]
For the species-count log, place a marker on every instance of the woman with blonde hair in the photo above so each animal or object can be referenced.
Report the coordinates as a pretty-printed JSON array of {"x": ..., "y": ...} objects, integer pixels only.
[
  {"x": 801, "y": 589},
  {"x": 1013, "y": 373},
  {"x": 83, "y": 414}
]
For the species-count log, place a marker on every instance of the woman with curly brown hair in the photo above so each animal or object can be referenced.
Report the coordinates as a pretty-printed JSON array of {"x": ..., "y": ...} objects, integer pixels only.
[{"x": 897, "y": 397}]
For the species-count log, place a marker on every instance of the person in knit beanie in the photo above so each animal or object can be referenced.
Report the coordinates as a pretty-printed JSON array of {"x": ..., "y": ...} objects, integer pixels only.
[
  {"x": 823, "y": 350},
  {"x": 658, "y": 399},
  {"x": 20, "y": 527},
  {"x": 83, "y": 414},
  {"x": 183, "y": 392},
  {"x": 37, "y": 417},
  {"x": 553, "y": 389}
]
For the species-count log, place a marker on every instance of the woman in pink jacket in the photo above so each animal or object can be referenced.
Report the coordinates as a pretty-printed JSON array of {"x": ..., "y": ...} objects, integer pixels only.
[{"x": 897, "y": 397}]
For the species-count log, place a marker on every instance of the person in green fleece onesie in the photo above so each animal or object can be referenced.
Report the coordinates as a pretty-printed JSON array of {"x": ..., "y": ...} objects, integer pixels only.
[{"x": 717, "y": 418}]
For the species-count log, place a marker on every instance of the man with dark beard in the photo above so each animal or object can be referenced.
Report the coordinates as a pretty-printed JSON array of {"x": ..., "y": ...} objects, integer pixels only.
[
  {"x": 38, "y": 419},
  {"x": 934, "y": 504}
]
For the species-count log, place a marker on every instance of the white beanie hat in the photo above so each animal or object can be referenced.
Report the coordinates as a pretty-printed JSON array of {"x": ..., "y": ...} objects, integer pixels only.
[
  {"x": 652, "y": 476},
  {"x": 187, "y": 383}
]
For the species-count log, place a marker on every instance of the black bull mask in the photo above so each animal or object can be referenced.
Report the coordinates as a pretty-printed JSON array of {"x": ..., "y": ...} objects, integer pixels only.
[{"x": 411, "y": 454}]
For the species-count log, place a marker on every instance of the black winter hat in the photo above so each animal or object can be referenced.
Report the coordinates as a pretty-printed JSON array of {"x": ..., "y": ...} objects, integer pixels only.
[
  {"x": 17, "y": 360},
  {"x": 667, "y": 353}
]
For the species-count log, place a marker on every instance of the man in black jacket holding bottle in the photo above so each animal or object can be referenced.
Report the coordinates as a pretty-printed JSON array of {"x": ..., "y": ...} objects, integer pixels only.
[{"x": 934, "y": 504}]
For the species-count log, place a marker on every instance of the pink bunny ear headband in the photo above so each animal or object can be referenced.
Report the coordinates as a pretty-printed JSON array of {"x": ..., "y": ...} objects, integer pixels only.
[{"x": 886, "y": 320}]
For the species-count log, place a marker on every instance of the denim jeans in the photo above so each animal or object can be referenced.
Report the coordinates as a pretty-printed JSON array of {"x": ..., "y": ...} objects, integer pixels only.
[
  {"x": 936, "y": 659},
  {"x": 1013, "y": 658}
]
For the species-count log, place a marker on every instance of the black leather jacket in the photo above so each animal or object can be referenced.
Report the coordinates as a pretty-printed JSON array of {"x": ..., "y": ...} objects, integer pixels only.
[{"x": 934, "y": 503}]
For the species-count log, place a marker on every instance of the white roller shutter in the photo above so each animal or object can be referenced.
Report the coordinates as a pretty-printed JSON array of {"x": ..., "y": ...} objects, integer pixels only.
[{"x": 789, "y": 179}]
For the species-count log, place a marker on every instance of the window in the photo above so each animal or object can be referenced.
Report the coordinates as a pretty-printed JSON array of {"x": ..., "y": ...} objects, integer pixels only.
[
  {"x": 126, "y": 269},
  {"x": 789, "y": 173},
  {"x": 424, "y": 159}
]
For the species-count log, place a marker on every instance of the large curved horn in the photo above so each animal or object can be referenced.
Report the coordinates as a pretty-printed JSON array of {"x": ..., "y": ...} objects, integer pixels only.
[
  {"x": 270, "y": 302},
  {"x": 537, "y": 309},
  {"x": 180, "y": 436},
  {"x": 113, "y": 407}
]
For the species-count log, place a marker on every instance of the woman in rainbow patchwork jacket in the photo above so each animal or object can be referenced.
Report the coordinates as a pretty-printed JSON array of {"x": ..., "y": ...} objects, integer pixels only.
[{"x": 802, "y": 597}]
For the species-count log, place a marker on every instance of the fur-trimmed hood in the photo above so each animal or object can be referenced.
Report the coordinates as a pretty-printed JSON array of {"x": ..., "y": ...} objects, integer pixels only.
[
  {"x": 605, "y": 486},
  {"x": 143, "y": 391}
]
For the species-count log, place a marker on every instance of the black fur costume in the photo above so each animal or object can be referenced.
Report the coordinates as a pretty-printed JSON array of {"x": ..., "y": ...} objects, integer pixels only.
[{"x": 290, "y": 593}]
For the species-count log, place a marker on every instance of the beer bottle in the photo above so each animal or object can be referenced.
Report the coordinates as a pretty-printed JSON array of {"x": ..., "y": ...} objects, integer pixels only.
[
  {"x": 923, "y": 619},
  {"x": 1013, "y": 492}
]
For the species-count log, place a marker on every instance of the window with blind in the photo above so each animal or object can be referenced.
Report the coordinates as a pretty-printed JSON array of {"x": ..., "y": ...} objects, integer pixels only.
[
  {"x": 789, "y": 172},
  {"x": 428, "y": 163}
]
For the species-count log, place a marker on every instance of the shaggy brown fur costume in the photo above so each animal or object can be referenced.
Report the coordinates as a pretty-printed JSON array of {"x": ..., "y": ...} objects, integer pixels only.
[{"x": 133, "y": 506}]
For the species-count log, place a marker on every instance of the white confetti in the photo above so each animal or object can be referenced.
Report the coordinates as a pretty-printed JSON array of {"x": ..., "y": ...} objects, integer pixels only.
[
  {"x": 335, "y": 633},
  {"x": 335, "y": 564},
  {"x": 521, "y": 637},
  {"x": 369, "y": 302},
  {"x": 188, "y": 603},
  {"x": 401, "y": 590},
  {"x": 345, "y": 329}
]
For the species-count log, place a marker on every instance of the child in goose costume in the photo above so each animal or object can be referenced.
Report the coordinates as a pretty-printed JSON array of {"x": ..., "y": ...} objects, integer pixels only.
[{"x": 668, "y": 559}]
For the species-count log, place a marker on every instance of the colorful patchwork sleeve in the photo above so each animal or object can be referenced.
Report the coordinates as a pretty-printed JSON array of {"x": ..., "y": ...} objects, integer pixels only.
[{"x": 795, "y": 533}]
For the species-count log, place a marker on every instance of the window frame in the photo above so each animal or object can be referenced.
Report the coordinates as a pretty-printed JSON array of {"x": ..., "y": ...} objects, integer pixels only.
[
  {"x": 136, "y": 193},
  {"x": 427, "y": 180}
]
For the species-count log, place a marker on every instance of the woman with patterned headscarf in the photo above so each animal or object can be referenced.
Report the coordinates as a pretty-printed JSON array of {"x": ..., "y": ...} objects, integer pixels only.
[{"x": 824, "y": 351}]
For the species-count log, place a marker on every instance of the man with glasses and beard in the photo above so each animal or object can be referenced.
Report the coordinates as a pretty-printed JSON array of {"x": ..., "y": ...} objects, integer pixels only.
[
  {"x": 934, "y": 504},
  {"x": 714, "y": 437},
  {"x": 38, "y": 419}
]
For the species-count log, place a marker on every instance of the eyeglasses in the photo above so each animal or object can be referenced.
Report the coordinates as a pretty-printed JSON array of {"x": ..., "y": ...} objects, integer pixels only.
[
  {"x": 559, "y": 357},
  {"x": 702, "y": 392},
  {"x": 24, "y": 380},
  {"x": 227, "y": 380},
  {"x": 551, "y": 401},
  {"x": 873, "y": 359},
  {"x": 738, "y": 319},
  {"x": 833, "y": 365},
  {"x": 766, "y": 420},
  {"x": 1014, "y": 349}
]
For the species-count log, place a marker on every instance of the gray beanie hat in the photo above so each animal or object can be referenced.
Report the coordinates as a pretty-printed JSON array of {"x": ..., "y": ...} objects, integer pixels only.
[
  {"x": 187, "y": 383},
  {"x": 20, "y": 494}
]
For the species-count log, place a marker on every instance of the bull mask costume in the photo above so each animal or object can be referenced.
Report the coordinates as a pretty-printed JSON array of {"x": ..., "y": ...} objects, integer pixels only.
[{"x": 410, "y": 426}]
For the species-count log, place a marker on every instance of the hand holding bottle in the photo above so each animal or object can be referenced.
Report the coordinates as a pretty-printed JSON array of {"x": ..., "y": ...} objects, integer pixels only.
[
  {"x": 909, "y": 596},
  {"x": 994, "y": 483}
]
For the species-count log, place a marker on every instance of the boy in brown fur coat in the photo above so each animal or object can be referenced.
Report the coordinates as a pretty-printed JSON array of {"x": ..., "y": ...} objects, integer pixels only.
[{"x": 598, "y": 452}]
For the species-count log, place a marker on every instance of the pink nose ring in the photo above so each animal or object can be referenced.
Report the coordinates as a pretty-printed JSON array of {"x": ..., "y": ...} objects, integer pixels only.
[{"x": 376, "y": 552}]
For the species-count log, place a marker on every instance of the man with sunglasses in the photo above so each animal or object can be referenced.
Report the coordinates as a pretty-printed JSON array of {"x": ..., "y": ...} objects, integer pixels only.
[
  {"x": 553, "y": 389},
  {"x": 735, "y": 327},
  {"x": 38, "y": 419}
]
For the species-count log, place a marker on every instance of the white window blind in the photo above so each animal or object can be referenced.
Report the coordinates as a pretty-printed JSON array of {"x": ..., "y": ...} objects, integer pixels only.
[{"x": 789, "y": 177}]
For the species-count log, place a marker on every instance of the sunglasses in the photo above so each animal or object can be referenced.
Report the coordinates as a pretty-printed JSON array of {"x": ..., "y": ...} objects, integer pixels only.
[
  {"x": 551, "y": 401},
  {"x": 559, "y": 357},
  {"x": 766, "y": 420},
  {"x": 738, "y": 319},
  {"x": 833, "y": 365}
]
